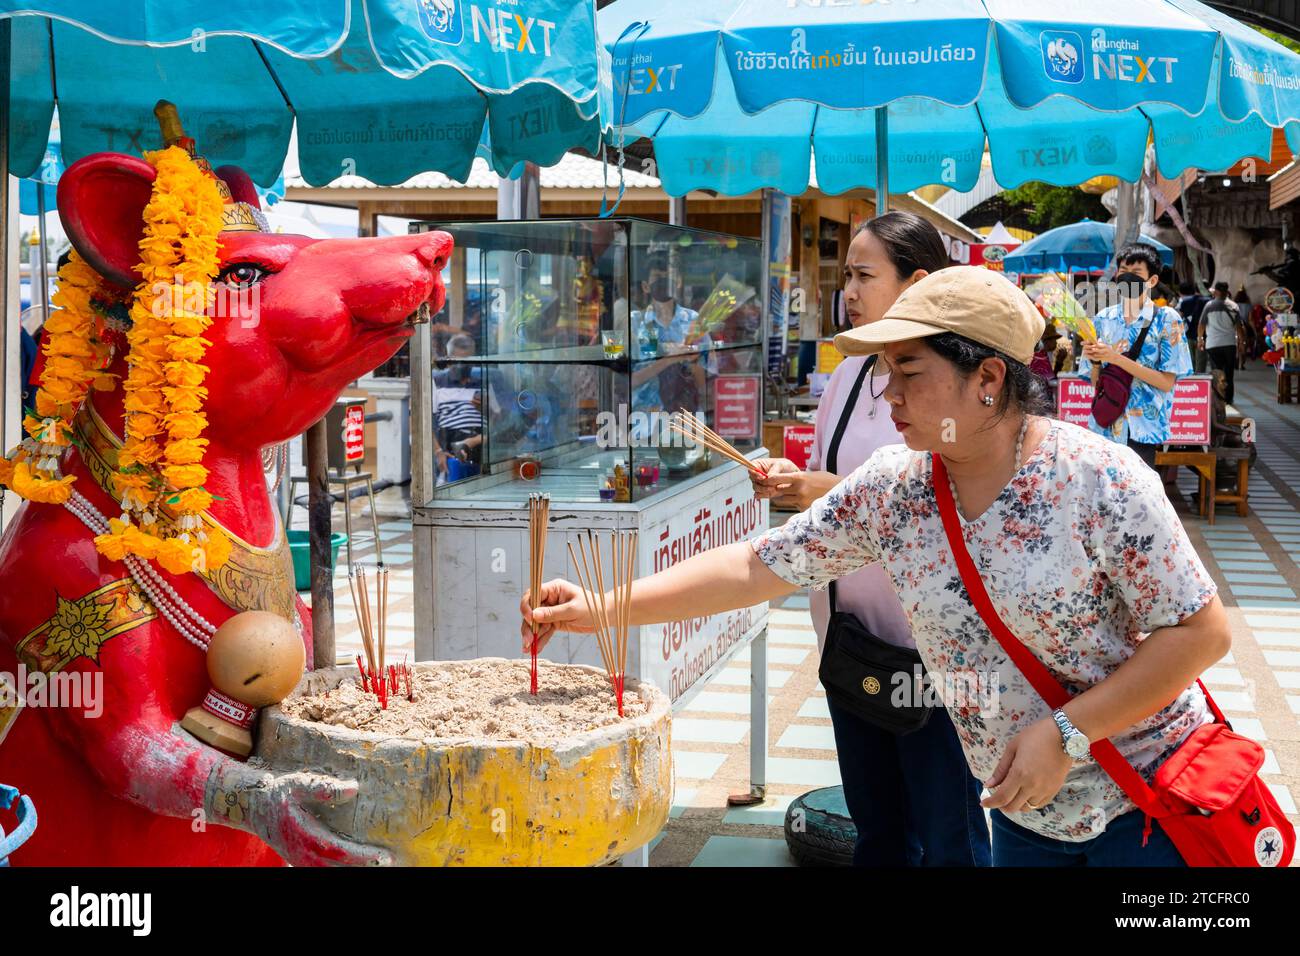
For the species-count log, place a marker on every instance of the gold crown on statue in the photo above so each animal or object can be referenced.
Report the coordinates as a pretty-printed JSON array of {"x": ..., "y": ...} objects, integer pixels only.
[{"x": 238, "y": 216}]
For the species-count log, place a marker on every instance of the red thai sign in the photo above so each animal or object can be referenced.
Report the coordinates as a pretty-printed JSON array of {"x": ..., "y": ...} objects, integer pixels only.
[
  {"x": 1189, "y": 418},
  {"x": 1189, "y": 421},
  {"x": 990, "y": 254},
  {"x": 736, "y": 403},
  {"x": 796, "y": 441},
  {"x": 354, "y": 433}
]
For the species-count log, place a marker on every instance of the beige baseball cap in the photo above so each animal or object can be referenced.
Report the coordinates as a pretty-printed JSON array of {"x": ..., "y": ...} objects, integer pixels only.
[{"x": 982, "y": 305}]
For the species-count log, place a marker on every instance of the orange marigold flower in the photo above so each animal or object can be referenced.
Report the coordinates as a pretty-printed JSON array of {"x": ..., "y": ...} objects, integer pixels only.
[
  {"x": 111, "y": 546},
  {"x": 186, "y": 424},
  {"x": 218, "y": 548},
  {"x": 186, "y": 451},
  {"x": 193, "y": 501},
  {"x": 186, "y": 399},
  {"x": 50, "y": 491},
  {"x": 180, "y": 557},
  {"x": 185, "y": 374},
  {"x": 141, "y": 542},
  {"x": 185, "y": 476},
  {"x": 187, "y": 348}
]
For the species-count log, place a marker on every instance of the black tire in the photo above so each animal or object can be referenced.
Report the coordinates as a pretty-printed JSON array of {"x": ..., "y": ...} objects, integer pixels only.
[{"x": 818, "y": 829}]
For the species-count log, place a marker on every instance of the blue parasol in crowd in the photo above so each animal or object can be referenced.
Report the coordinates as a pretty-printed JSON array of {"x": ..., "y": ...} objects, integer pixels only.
[{"x": 1079, "y": 247}]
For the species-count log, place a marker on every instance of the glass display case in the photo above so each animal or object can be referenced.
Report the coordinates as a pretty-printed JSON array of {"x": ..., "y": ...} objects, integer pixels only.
[{"x": 565, "y": 345}]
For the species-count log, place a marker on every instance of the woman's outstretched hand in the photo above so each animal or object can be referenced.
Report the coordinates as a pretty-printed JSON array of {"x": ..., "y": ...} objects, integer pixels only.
[
  {"x": 1032, "y": 769},
  {"x": 562, "y": 608}
]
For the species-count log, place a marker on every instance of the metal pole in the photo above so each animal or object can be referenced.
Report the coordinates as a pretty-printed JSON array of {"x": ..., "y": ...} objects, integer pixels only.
[
  {"x": 6, "y": 398},
  {"x": 520, "y": 198},
  {"x": 677, "y": 210},
  {"x": 318, "y": 523},
  {"x": 882, "y": 160},
  {"x": 44, "y": 249}
]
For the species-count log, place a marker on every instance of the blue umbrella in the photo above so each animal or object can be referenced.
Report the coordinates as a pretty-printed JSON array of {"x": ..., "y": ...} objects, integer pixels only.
[
  {"x": 749, "y": 94},
  {"x": 41, "y": 185},
  {"x": 381, "y": 88},
  {"x": 1079, "y": 247}
]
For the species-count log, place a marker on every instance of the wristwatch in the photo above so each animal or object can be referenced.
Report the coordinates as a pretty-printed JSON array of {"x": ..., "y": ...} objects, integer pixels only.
[{"x": 1074, "y": 740}]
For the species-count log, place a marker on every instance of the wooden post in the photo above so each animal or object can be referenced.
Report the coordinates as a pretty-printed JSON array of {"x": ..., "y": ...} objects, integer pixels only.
[{"x": 318, "y": 522}]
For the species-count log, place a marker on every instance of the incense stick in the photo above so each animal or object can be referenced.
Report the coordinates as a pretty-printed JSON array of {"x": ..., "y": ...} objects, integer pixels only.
[
  {"x": 695, "y": 429},
  {"x": 357, "y": 585},
  {"x": 539, "y": 509},
  {"x": 611, "y": 611},
  {"x": 381, "y": 598}
]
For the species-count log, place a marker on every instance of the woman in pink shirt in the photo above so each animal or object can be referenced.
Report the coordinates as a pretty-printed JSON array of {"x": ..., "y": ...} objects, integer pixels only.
[{"x": 912, "y": 797}]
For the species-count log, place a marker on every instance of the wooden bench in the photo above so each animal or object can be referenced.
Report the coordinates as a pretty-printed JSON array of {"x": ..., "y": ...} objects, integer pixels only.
[
  {"x": 1204, "y": 464},
  {"x": 1288, "y": 386}
]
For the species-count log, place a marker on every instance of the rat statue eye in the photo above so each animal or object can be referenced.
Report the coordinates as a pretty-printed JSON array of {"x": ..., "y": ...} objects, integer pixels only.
[{"x": 241, "y": 275}]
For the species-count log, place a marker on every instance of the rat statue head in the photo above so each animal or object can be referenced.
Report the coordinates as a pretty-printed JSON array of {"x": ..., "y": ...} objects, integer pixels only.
[{"x": 295, "y": 319}]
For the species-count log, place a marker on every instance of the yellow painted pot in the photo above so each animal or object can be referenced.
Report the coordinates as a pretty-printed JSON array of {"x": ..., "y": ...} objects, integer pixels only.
[{"x": 580, "y": 801}]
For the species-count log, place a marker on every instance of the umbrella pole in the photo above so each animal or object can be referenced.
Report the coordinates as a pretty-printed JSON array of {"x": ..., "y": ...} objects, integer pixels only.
[
  {"x": 6, "y": 390},
  {"x": 42, "y": 274},
  {"x": 882, "y": 160}
]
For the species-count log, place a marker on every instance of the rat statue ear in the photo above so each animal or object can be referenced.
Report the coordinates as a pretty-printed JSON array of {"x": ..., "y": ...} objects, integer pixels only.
[
  {"x": 240, "y": 185},
  {"x": 101, "y": 202}
]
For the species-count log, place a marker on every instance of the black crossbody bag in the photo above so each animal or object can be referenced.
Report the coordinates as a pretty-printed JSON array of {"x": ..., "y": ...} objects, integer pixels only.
[{"x": 861, "y": 673}]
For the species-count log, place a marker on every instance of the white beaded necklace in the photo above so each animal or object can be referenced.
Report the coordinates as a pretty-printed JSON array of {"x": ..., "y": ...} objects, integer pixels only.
[
  {"x": 1020, "y": 449},
  {"x": 189, "y": 623}
]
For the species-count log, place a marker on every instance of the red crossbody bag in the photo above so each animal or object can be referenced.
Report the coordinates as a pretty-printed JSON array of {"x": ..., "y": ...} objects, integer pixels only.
[{"x": 1207, "y": 795}]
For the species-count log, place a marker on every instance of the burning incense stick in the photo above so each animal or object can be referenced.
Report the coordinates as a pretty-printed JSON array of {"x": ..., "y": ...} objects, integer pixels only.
[
  {"x": 539, "y": 512},
  {"x": 694, "y": 429},
  {"x": 611, "y": 611},
  {"x": 373, "y": 671}
]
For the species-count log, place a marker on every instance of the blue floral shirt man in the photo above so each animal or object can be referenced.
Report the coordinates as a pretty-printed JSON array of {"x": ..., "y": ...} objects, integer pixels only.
[
  {"x": 1145, "y": 424},
  {"x": 1146, "y": 420}
]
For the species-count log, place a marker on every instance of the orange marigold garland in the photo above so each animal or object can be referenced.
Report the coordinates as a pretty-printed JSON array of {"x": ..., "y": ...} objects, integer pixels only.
[
  {"x": 77, "y": 352},
  {"x": 161, "y": 460}
]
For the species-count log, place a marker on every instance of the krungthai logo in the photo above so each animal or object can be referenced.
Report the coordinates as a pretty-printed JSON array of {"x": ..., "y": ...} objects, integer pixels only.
[
  {"x": 1062, "y": 55},
  {"x": 441, "y": 20}
]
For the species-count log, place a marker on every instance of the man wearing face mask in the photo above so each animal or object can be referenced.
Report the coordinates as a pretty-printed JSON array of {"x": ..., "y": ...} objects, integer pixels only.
[{"x": 1157, "y": 362}]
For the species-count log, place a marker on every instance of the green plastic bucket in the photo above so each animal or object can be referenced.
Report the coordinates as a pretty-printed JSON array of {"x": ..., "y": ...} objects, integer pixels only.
[{"x": 300, "y": 548}]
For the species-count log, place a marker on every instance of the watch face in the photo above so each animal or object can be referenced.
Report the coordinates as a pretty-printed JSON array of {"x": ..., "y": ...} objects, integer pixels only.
[{"x": 1077, "y": 746}]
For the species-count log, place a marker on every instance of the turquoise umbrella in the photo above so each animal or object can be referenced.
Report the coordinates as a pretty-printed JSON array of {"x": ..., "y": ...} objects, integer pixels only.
[
  {"x": 1079, "y": 247},
  {"x": 743, "y": 94},
  {"x": 381, "y": 88}
]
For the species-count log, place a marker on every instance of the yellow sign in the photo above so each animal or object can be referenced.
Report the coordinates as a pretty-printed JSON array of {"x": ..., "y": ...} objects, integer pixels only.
[
  {"x": 828, "y": 357},
  {"x": 871, "y": 685}
]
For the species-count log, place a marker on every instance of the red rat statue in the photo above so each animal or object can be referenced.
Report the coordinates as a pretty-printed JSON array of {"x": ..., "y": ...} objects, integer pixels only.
[{"x": 120, "y": 783}]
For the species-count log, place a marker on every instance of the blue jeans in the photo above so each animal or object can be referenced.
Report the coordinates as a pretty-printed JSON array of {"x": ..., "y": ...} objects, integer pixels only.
[
  {"x": 1119, "y": 845},
  {"x": 912, "y": 798}
]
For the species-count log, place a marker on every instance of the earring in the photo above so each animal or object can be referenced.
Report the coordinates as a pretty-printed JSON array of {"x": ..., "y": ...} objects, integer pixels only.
[{"x": 987, "y": 399}]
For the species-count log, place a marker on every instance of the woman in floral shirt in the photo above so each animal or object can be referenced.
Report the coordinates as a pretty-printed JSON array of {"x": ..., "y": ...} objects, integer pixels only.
[{"x": 1078, "y": 547}]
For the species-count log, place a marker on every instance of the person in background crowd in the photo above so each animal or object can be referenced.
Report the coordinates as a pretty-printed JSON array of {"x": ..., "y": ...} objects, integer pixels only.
[
  {"x": 911, "y": 797},
  {"x": 1244, "y": 330},
  {"x": 1190, "y": 305},
  {"x": 1259, "y": 329},
  {"x": 1144, "y": 426},
  {"x": 457, "y": 408},
  {"x": 674, "y": 379},
  {"x": 1219, "y": 330}
]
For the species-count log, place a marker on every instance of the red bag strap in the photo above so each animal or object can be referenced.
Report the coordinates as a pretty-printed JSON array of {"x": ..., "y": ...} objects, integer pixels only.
[{"x": 1048, "y": 687}]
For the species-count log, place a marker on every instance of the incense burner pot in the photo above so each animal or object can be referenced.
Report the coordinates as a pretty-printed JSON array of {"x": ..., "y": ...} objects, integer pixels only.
[
  {"x": 116, "y": 781},
  {"x": 581, "y": 800}
]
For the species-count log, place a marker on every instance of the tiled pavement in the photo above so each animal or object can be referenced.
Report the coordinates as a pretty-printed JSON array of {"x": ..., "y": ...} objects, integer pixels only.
[{"x": 1255, "y": 560}]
